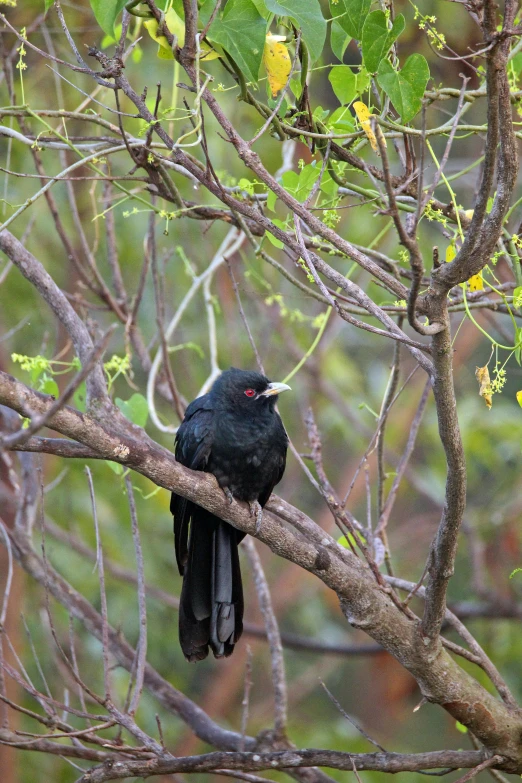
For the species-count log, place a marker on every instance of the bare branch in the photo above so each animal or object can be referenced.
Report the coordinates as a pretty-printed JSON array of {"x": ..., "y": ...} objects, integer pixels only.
[
  {"x": 441, "y": 558},
  {"x": 274, "y": 638},
  {"x": 330, "y": 562},
  {"x": 142, "y": 640},
  {"x": 289, "y": 759},
  {"x": 485, "y": 764},
  {"x": 103, "y": 594}
]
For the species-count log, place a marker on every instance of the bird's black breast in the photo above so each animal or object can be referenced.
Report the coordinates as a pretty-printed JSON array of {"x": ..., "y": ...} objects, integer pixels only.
[{"x": 248, "y": 454}]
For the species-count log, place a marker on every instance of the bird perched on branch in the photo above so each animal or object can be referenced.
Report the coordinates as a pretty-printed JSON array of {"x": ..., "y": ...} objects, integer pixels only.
[{"x": 235, "y": 433}]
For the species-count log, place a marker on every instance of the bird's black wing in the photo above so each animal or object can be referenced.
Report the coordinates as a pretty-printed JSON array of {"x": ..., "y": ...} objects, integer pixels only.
[
  {"x": 211, "y": 602},
  {"x": 279, "y": 446},
  {"x": 193, "y": 445}
]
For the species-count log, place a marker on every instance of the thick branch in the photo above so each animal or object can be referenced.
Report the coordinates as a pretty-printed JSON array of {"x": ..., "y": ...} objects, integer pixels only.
[
  {"x": 484, "y": 232},
  {"x": 290, "y": 759},
  {"x": 443, "y": 550},
  {"x": 364, "y": 603}
]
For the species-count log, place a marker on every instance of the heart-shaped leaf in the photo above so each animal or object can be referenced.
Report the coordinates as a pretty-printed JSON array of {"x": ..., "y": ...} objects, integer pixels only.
[
  {"x": 405, "y": 87},
  {"x": 308, "y": 17},
  {"x": 377, "y": 39},
  {"x": 106, "y": 13},
  {"x": 134, "y": 409},
  {"x": 339, "y": 40},
  {"x": 351, "y": 15},
  {"x": 344, "y": 83},
  {"x": 241, "y": 31}
]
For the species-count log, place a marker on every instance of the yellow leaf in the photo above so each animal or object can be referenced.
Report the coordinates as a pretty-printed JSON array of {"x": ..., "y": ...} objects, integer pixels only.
[
  {"x": 469, "y": 213},
  {"x": 176, "y": 26},
  {"x": 519, "y": 397},
  {"x": 451, "y": 252},
  {"x": 476, "y": 282},
  {"x": 364, "y": 116},
  {"x": 277, "y": 62},
  {"x": 485, "y": 391}
]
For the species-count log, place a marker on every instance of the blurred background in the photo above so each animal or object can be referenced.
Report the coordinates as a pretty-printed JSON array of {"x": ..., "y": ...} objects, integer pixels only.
[{"x": 343, "y": 380}]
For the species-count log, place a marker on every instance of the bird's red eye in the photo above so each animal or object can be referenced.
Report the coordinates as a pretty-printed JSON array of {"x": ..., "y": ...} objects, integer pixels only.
[{"x": 250, "y": 393}]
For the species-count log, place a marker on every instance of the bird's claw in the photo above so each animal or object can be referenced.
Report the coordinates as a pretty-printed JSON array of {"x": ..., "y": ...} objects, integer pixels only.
[
  {"x": 257, "y": 511},
  {"x": 228, "y": 494}
]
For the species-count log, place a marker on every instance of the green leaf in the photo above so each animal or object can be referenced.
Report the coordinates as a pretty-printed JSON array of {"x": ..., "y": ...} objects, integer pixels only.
[
  {"x": 341, "y": 121},
  {"x": 247, "y": 186},
  {"x": 363, "y": 81},
  {"x": 339, "y": 40},
  {"x": 345, "y": 541},
  {"x": 106, "y": 13},
  {"x": 307, "y": 15},
  {"x": 351, "y": 15},
  {"x": 134, "y": 409},
  {"x": 175, "y": 24},
  {"x": 377, "y": 39},
  {"x": 518, "y": 343},
  {"x": 262, "y": 9},
  {"x": 307, "y": 180},
  {"x": 271, "y": 200},
  {"x": 272, "y": 102},
  {"x": 516, "y": 63},
  {"x": 296, "y": 87},
  {"x": 49, "y": 386},
  {"x": 115, "y": 466},
  {"x": 79, "y": 397},
  {"x": 35, "y": 373},
  {"x": 48, "y": 4},
  {"x": 108, "y": 40},
  {"x": 517, "y": 297},
  {"x": 280, "y": 224},
  {"x": 290, "y": 181},
  {"x": 344, "y": 83},
  {"x": 461, "y": 728},
  {"x": 328, "y": 185},
  {"x": 300, "y": 185},
  {"x": 241, "y": 31},
  {"x": 273, "y": 240},
  {"x": 405, "y": 87},
  {"x": 320, "y": 114}
]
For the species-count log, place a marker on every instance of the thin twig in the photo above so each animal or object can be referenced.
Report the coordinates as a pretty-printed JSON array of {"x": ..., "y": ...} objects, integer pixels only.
[
  {"x": 351, "y": 720},
  {"x": 403, "y": 463},
  {"x": 142, "y": 638},
  {"x": 243, "y": 317},
  {"x": 274, "y": 638},
  {"x": 245, "y": 704},
  {"x": 473, "y": 772},
  {"x": 103, "y": 594}
]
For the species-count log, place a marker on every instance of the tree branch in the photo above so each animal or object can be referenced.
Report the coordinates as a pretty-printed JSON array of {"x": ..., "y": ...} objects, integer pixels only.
[{"x": 363, "y": 601}]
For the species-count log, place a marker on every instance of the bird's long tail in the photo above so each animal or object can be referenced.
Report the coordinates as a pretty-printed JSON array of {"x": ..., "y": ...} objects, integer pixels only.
[{"x": 211, "y": 604}]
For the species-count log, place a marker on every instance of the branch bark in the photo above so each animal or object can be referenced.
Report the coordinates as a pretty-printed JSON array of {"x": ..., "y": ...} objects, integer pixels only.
[{"x": 363, "y": 601}]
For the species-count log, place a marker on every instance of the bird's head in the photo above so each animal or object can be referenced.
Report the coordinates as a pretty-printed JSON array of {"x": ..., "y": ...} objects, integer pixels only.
[{"x": 246, "y": 390}]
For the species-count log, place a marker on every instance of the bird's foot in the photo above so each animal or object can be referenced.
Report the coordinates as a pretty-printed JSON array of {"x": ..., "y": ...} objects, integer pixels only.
[
  {"x": 257, "y": 511},
  {"x": 228, "y": 494}
]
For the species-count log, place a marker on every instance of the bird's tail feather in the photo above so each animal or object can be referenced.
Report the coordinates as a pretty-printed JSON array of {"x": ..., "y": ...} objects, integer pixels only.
[{"x": 211, "y": 604}]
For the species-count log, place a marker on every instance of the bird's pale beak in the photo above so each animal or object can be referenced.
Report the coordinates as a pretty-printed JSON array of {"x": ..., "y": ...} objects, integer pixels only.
[{"x": 275, "y": 388}]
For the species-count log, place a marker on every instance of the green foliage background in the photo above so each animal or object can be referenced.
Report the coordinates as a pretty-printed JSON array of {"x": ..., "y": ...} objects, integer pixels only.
[{"x": 344, "y": 381}]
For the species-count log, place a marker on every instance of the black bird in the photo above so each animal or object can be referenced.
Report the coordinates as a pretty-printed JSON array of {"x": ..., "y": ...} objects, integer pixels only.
[{"x": 235, "y": 433}]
